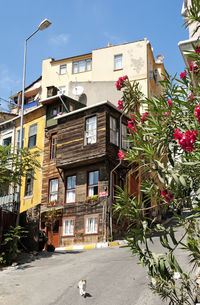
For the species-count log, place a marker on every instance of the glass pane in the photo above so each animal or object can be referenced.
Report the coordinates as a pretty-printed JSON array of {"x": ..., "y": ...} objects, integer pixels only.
[
  {"x": 33, "y": 130},
  {"x": 70, "y": 196},
  {"x": 118, "y": 62},
  {"x": 54, "y": 185},
  {"x": 82, "y": 66},
  {"x": 32, "y": 141},
  {"x": 75, "y": 68},
  {"x": 62, "y": 69},
  {"x": 88, "y": 65},
  {"x": 53, "y": 196}
]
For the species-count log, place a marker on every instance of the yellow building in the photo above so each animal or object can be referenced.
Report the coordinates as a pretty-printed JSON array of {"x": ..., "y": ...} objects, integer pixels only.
[{"x": 33, "y": 137}]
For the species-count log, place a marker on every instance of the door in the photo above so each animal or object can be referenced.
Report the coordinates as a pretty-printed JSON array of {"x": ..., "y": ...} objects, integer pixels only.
[{"x": 55, "y": 234}]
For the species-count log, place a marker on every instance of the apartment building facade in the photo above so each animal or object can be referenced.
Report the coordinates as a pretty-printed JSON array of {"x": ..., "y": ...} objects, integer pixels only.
[{"x": 90, "y": 78}]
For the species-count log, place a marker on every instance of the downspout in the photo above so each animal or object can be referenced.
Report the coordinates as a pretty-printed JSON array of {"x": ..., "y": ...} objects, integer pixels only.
[{"x": 111, "y": 173}]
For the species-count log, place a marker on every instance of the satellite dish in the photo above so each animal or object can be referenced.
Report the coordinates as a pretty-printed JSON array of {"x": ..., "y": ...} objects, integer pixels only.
[{"x": 77, "y": 90}]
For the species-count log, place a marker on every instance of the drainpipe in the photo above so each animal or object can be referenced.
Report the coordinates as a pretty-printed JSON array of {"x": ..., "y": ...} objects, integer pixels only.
[{"x": 111, "y": 173}]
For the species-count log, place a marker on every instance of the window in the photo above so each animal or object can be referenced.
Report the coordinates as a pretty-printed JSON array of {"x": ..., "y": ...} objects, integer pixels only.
[
  {"x": 56, "y": 109},
  {"x": 53, "y": 146},
  {"x": 91, "y": 224},
  {"x": 93, "y": 180},
  {"x": 29, "y": 183},
  {"x": 18, "y": 138},
  {"x": 113, "y": 131},
  {"x": 63, "y": 69},
  {"x": 71, "y": 107},
  {"x": 81, "y": 65},
  {"x": 70, "y": 189},
  {"x": 68, "y": 227},
  {"x": 7, "y": 141},
  {"x": 91, "y": 130},
  {"x": 118, "y": 62},
  {"x": 62, "y": 90},
  {"x": 53, "y": 190},
  {"x": 32, "y": 136},
  {"x": 125, "y": 142}
]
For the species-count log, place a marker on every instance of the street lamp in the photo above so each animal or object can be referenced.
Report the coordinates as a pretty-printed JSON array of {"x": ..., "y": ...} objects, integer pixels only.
[{"x": 42, "y": 26}]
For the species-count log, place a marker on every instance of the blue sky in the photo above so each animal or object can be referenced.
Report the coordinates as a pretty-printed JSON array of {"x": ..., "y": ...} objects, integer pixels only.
[{"x": 78, "y": 26}]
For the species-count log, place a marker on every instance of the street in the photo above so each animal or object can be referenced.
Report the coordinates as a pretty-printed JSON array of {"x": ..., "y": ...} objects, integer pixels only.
[{"x": 112, "y": 274}]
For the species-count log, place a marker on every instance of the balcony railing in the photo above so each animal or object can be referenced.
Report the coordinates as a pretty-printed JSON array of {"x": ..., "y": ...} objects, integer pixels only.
[
  {"x": 31, "y": 104},
  {"x": 9, "y": 202}
]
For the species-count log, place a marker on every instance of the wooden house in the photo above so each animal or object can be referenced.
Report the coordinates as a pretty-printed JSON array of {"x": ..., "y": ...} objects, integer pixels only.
[{"x": 80, "y": 155}]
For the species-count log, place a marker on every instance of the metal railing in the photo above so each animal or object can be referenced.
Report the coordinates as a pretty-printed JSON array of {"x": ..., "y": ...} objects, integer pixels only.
[{"x": 9, "y": 202}]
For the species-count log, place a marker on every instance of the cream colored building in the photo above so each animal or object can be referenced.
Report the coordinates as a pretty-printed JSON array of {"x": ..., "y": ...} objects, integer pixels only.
[
  {"x": 90, "y": 78},
  {"x": 186, "y": 45}
]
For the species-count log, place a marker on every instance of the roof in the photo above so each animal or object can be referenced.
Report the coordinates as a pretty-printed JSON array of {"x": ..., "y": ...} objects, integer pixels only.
[
  {"x": 39, "y": 78},
  {"x": 73, "y": 57},
  {"x": 87, "y": 108}
]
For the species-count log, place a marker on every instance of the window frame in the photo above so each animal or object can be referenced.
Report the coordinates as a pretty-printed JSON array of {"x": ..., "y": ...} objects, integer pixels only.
[
  {"x": 114, "y": 131},
  {"x": 63, "y": 67},
  {"x": 31, "y": 184},
  {"x": 92, "y": 185},
  {"x": 50, "y": 192},
  {"x": 85, "y": 220},
  {"x": 86, "y": 137},
  {"x": 78, "y": 63},
  {"x": 125, "y": 141},
  {"x": 66, "y": 180},
  {"x": 34, "y": 135},
  {"x": 51, "y": 157},
  {"x": 58, "y": 108},
  {"x": 62, "y": 90},
  {"x": 74, "y": 223},
  {"x": 18, "y": 138},
  {"x": 116, "y": 61}
]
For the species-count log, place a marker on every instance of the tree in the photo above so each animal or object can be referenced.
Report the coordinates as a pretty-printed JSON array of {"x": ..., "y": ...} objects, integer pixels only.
[
  {"x": 14, "y": 165},
  {"x": 165, "y": 151}
]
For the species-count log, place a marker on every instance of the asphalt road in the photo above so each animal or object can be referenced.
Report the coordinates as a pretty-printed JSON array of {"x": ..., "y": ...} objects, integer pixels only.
[{"x": 113, "y": 277}]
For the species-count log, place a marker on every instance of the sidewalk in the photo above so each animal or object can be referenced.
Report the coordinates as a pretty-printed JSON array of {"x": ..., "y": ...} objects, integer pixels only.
[{"x": 93, "y": 246}]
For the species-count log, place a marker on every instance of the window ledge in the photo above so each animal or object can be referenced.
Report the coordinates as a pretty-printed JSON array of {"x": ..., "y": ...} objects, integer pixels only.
[
  {"x": 28, "y": 197},
  {"x": 117, "y": 69}
]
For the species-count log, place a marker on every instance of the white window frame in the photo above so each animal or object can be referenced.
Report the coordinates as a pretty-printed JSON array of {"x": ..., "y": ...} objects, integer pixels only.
[
  {"x": 53, "y": 193},
  {"x": 29, "y": 192},
  {"x": 18, "y": 138},
  {"x": 91, "y": 130},
  {"x": 91, "y": 224},
  {"x": 91, "y": 186},
  {"x": 118, "y": 62},
  {"x": 71, "y": 190},
  {"x": 31, "y": 135},
  {"x": 62, "y": 90},
  {"x": 114, "y": 134},
  {"x": 125, "y": 141},
  {"x": 68, "y": 230},
  {"x": 63, "y": 69}
]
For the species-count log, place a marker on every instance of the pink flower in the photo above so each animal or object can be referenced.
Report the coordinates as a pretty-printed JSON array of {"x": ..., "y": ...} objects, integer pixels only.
[
  {"x": 197, "y": 49},
  {"x": 120, "y": 83},
  {"x": 183, "y": 75},
  {"x": 144, "y": 115},
  {"x": 166, "y": 113},
  {"x": 169, "y": 102},
  {"x": 131, "y": 125},
  {"x": 197, "y": 113},
  {"x": 194, "y": 68},
  {"x": 120, "y": 104},
  {"x": 167, "y": 195},
  {"x": 186, "y": 140},
  {"x": 190, "y": 98},
  {"x": 121, "y": 155},
  {"x": 177, "y": 134}
]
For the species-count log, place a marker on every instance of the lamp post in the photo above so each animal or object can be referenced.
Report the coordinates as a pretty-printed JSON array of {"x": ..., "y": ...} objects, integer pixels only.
[{"x": 42, "y": 26}]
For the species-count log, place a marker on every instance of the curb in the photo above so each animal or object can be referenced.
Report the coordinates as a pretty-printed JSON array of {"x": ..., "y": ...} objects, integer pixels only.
[{"x": 92, "y": 246}]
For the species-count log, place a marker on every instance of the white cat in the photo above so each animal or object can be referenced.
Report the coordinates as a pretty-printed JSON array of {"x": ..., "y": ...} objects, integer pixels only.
[{"x": 82, "y": 287}]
